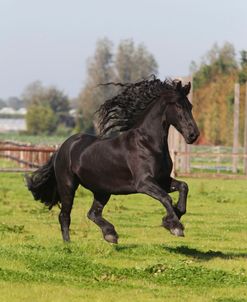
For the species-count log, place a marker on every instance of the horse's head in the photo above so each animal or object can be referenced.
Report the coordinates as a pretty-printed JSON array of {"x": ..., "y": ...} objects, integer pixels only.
[{"x": 179, "y": 113}]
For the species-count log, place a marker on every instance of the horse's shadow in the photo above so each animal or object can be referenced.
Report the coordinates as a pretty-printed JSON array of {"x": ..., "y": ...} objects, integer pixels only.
[
  {"x": 201, "y": 255},
  {"x": 187, "y": 251}
]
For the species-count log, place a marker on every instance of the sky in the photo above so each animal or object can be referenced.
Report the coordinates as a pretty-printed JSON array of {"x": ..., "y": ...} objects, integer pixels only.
[{"x": 51, "y": 40}]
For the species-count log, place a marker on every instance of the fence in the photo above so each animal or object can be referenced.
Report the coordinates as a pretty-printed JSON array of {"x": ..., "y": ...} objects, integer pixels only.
[
  {"x": 19, "y": 157},
  {"x": 210, "y": 161},
  {"x": 200, "y": 161}
]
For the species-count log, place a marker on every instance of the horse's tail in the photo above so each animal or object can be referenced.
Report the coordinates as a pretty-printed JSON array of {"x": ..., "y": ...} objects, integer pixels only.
[{"x": 43, "y": 185}]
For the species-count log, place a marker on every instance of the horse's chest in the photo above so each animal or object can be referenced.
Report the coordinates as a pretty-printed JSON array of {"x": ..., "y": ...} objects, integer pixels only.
[{"x": 163, "y": 167}]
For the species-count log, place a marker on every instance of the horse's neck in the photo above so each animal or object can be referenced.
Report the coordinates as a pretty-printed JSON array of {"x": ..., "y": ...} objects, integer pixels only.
[{"x": 151, "y": 125}]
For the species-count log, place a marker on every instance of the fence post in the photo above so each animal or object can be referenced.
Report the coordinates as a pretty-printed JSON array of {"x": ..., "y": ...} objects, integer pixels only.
[
  {"x": 173, "y": 143},
  {"x": 218, "y": 159},
  {"x": 173, "y": 157},
  {"x": 245, "y": 132},
  {"x": 235, "y": 128},
  {"x": 185, "y": 161}
]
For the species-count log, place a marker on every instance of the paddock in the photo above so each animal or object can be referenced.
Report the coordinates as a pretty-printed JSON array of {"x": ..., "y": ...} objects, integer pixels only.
[{"x": 148, "y": 264}]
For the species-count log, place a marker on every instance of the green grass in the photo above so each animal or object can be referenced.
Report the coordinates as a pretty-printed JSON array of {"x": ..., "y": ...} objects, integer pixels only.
[
  {"x": 148, "y": 264},
  {"x": 7, "y": 163},
  {"x": 33, "y": 139}
]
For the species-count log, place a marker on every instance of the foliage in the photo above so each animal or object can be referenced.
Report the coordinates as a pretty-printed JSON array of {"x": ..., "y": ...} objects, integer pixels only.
[
  {"x": 15, "y": 103},
  {"x": 243, "y": 71},
  {"x": 12, "y": 102},
  {"x": 148, "y": 264},
  {"x": 42, "y": 100},
  {"x": 218, "y": 61},
  {"x": 40, "y": 119},
  {"x": 99, "y": 71},
  {"x": 129, "y": 64},
  {"x": 213, "y": 109},
  {"x": 213, "y": 95},
  {"x": 133, "y": 63}
]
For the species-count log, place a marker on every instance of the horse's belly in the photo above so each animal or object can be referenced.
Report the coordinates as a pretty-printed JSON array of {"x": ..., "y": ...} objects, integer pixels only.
[{"x": 106, "y": 178}]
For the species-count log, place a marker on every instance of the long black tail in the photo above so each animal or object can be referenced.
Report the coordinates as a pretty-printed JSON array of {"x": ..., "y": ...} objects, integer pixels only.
[{"x": 42, "y": 183}]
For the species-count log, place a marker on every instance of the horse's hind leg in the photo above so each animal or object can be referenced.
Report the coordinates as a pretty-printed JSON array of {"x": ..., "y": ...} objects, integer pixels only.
[
  {"x": 66, "y": 193},
  {"x": 95, "y": 214}
]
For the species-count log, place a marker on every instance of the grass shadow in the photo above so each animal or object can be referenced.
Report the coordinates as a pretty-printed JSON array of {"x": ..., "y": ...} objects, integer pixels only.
[{"x": 201, "y": 255}]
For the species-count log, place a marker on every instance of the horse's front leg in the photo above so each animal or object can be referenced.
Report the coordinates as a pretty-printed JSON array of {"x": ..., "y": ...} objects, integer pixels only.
[
  {"x": 170, "y": 221},
  {"x": 183, "y": 189}
]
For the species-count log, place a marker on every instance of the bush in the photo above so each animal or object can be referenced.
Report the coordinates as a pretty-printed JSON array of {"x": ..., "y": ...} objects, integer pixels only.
[{"x": 40, "y": 119}]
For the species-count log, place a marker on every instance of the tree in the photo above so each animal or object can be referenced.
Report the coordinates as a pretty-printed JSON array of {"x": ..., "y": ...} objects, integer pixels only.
[
  {"x": 99, "y": 71},
  {"x": 144, "y": 62},
  {"x": 59, "y": 103},
  {"x": 218, "y": 60},
  {"x": 129, "y": 64},
  {"x": 50, "y": 102},
  {"x": 33, "y": 94},
  {"x": 243, "y": 64},
  {"x": 226, "y": 59},
  {"x": 15, "y": 102},
  {"x": 213, "y": 94},
  {"x": 41, "y": 119},
  {"x": 133, "y": 63},
  {"x": 124, "y": 61}
]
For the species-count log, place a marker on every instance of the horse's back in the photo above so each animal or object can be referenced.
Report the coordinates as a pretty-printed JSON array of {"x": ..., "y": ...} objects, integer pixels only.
[{"x": 71, "y": 149}]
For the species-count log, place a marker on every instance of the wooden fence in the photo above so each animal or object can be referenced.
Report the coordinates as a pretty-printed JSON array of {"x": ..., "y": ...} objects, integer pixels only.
[
  {"x": 210, "y": 164},
  {"x": 15, "y": 157},
  {"x": 25, "y": 157}
]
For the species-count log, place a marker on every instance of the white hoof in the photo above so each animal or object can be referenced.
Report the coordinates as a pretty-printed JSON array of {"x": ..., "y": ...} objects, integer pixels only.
[{"x": 177, "y": 232}]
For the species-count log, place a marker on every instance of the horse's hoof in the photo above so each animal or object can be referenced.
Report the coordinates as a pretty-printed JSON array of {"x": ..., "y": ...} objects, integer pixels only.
[
  {"x": 177, "y": 232},
  {"x": 111, "y": 238}
]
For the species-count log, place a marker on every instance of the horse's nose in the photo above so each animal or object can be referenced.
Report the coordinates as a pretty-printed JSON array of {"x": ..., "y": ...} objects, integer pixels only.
[{"x": 193, "y": 136}]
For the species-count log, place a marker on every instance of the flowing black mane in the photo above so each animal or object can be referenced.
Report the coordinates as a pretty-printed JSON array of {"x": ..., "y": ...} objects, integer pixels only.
[{"x": 121, "y": 112}]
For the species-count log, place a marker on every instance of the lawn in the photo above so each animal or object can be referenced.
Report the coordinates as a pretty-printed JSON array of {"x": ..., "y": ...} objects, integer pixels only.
[{"x": 148, "y": 264}]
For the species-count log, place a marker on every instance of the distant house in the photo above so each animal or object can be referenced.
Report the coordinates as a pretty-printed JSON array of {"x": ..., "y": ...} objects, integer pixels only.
[
  {"x": 12, "y": 120},
  {"x": 7, "y": 111},
  {"x": 11, "y": 111},
  {"x": 12, "y": 124},
  {"x": 21, "y": 111}
]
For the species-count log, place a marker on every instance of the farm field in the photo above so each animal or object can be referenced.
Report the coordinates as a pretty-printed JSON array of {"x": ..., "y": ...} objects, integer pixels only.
[{"x": 148, "y": 264}]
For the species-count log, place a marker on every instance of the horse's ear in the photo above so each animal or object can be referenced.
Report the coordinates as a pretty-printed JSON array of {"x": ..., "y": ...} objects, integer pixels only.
[
  {"x": 186, "y": 88},
  {"x": 178, "y": 85}
]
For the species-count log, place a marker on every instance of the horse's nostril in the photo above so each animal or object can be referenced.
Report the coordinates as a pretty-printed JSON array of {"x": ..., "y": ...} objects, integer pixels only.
[{"x": 192, "y": 136}]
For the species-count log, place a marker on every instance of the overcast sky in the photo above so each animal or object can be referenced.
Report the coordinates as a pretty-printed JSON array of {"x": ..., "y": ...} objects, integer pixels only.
[{"x": 50, "y": 40}]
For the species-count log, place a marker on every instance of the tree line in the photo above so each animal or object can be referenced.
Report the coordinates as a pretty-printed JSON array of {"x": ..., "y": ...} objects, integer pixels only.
[
  {"x": 48, "y": 108},
  {"x": 213, "y": 94},
  {"x": 213, "y": 90},
  {"x": 130, "y": 63}
]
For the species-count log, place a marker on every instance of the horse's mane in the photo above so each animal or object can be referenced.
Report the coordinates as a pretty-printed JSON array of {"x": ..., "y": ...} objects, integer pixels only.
[{"x": 121, "y": 112}]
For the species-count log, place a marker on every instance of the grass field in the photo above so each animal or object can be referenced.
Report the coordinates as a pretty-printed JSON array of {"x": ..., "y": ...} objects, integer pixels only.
[
  {"x": 33, "y": 139},
  {"x": 148, "y": 264}
]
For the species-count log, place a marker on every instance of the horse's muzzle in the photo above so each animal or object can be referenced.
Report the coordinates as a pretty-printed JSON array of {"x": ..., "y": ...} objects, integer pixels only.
[{"x": 192, "y": 137}]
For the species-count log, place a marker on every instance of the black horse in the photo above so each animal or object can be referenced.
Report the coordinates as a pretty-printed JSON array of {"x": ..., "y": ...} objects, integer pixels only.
[{"x": 135, "y": 159}]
